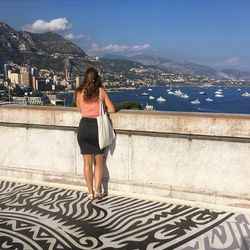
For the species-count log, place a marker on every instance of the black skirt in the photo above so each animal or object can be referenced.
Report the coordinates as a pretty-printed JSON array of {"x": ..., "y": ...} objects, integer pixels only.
[{"x": 87, "y": 136}]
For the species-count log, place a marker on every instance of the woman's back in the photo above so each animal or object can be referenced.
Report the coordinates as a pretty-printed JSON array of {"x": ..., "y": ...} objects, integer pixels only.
[{"x": 89, "y": 109}]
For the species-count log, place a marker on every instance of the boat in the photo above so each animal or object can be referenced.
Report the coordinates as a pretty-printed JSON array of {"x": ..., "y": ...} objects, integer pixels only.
[
  {"x": 218, "y": 92},
  {"x": 202, "y": 93},
  {"x": 209, "y": 99},
  {"x": 178, "y": 92},
  {"x": 195, "y": 102},
  {"x": 185, "y": 96},
  {"x": 55, "y": 101},
  {"x": 246, "y": 94},
  {"x": 144, "y": 94},
  {"x": 170, "y": 92},
  {"x": 149, "y": 89},
  {"x": 219, "y": 95},
  {"x": 161, "y": 99},
  {"x": 149, "y": 107},
  {"x": 151, "y": 97},
  {"x": 239, "y": 89}
]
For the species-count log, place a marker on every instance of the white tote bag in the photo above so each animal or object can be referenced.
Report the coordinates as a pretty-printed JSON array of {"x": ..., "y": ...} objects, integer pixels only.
[{"x": 106, "y": 133}]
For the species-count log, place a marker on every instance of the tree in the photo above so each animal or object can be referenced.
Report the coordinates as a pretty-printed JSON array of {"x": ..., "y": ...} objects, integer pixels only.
[{"x": 128, "y": 105}]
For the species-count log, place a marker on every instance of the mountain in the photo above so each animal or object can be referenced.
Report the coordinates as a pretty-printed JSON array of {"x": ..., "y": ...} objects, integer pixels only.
[
  {"x": 150, "y": 60},
  {"x": 115, "y": 57},
  {"x": 188, "y": 68},
  {"x": 47, "y": 50},
  {"x": 175, "y": 66},
  {"x": 11, "y": 40},
  {"x": 46, "y": 43},
  {"x": 234, "y": 74}
]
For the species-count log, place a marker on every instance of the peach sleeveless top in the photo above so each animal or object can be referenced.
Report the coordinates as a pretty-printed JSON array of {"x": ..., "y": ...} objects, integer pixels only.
[{"x": 90, "y": 109}]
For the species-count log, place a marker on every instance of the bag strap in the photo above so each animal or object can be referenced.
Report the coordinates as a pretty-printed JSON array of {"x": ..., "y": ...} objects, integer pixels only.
[{"x": 101, "y": 108}]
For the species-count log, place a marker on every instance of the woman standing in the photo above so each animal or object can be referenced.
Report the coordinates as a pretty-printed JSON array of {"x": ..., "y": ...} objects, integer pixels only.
[{"x": 88, "y": 103}]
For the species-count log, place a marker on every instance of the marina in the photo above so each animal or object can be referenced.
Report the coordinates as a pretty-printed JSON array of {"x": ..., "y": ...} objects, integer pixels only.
[
  {"x": 223, "y": 99},
  {"x": 162, "y": 98}
]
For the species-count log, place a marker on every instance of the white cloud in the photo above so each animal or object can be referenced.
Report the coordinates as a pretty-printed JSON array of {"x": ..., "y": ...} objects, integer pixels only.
[
  {"x": 115, "y": 48},
  {"x": 71, "y": 36},
  {"x": 41, "y": 26}
]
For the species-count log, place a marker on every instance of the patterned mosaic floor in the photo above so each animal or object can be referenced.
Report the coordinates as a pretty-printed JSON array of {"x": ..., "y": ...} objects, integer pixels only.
[{"x": 38, "y": 217}]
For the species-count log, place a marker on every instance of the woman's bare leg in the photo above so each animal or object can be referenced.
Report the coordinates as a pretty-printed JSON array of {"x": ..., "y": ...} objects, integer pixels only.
[
  {"x": 98, "y": 172},
  {"x": 88, "y": 172}
]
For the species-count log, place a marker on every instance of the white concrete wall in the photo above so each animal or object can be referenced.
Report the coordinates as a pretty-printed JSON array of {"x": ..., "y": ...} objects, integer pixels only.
[{"x": 191, "y": 156}]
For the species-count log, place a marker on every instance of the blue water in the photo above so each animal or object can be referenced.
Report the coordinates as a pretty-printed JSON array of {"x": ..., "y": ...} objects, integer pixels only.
[{"x": 232, "y": 102}]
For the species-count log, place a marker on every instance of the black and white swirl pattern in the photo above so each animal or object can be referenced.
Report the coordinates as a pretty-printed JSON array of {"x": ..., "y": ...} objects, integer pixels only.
[{"x": 39, "y": 217}]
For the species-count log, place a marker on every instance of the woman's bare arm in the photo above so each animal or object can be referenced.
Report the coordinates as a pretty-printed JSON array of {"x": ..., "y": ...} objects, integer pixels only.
[
  {"x": 78, "y": 96},
  {"x": 110, "y": 106}
]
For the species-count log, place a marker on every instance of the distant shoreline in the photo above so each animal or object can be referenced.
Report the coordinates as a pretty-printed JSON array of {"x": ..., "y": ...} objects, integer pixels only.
[{"x": 176, "y": 86}]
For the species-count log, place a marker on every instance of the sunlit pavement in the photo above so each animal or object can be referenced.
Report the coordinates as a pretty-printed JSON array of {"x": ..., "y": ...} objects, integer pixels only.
[{"x": 42, "y": 217}]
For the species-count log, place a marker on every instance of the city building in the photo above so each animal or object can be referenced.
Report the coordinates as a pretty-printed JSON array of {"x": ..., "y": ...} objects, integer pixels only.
[
  {"x": 25, "y": 76},
  {"x": 1, "y": 64},
  {"x": 34, "y": 83},
  {"x": 78, "y": 81},
  {"x": 8, "y": 73},
  {"x": 14, "y": 78},
  {"x": 55, "y": 79},
  {"x": 25, "y": 79},
  {"x": 68, "y": 68}
]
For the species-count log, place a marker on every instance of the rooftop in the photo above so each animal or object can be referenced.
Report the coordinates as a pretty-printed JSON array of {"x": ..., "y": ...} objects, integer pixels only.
[
  {"x": 174, "y": 181},
  {"x": 47, "y": 217}
]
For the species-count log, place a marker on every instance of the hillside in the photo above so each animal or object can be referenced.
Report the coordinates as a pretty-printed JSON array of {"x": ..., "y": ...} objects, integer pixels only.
[
  {"x": 187, "y": 68},
  {"x": 47, "y": 50}
]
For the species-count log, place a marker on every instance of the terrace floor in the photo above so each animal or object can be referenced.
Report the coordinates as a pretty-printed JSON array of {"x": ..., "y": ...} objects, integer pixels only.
[{"x": 42, "y": 217}]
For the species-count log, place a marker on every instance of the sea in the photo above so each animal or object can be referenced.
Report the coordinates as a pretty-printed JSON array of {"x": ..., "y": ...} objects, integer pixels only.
[{"x": 231, "y": 100}]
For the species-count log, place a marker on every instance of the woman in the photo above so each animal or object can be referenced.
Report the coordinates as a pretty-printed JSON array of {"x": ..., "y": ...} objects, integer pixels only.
[{"x": 87, "y": 102}]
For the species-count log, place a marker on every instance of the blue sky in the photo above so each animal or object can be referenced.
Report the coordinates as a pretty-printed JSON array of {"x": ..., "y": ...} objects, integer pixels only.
[{"x": 210, "y": 32}]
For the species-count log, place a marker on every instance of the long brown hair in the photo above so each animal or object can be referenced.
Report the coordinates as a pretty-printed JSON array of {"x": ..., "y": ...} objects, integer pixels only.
[{"x": 90, "y": 85}]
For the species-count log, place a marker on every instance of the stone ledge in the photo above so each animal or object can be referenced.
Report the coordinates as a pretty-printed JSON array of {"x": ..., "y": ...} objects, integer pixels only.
[{"x": 227, "y": 125}]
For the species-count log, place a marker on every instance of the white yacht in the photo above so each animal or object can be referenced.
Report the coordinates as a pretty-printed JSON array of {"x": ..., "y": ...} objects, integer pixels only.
[
  {"x": 170, "y": 92},
  {"x": 195, "y": 101},
  {"x": 178, "y": 92},
  {"x": 149, "y": 107},
  {"x": 151, "y": 97},
  {"x": 185, "y": 96},
  {"x": 161, "y": 99},
  {"x": 209, "y": 99},
  {"x": 149, "y": 89},
  {"x": 201, "y": 92},
  {"x": 246, "y": 94},
  {"x": 219, "y": 94}
]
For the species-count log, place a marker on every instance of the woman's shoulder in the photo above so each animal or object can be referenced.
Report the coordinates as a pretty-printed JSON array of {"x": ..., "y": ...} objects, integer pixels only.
[
  {"x": 102, "y": 89},
  {"x": 78, "y": 93}
]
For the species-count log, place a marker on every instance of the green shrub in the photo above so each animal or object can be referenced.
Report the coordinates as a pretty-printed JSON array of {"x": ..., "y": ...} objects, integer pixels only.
[{"x": 128, "y": 105}]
